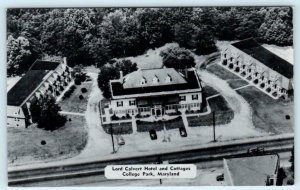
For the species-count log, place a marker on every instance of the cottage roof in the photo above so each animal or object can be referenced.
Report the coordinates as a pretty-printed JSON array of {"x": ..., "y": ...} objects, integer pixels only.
[
  {"x": 25, "y": 86},
  {"x": 271, "y": 60},
  {"x": 252, "y": 170},
  {"x": 44, "y": 65}
]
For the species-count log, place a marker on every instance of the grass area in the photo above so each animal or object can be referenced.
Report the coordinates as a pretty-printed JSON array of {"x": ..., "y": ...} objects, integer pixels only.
[
  {"x": 174, "y": 123},
  {"x": 221, "y": 72},
  {"x": 24, "y": 144},
  {"x": 237, "y": 83},
  {"x": 73, "y": 103},
  {"x": 144, "y": 126},
  {"x": 269, "y": 114},
  {"x": 209, "y": 91},
  {"x": 118, "y": 128},
  {"x": 223, "y": 114}
]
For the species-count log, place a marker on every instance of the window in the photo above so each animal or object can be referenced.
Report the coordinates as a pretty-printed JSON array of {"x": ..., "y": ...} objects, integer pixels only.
[
  {"x": 104, "y": 119},
  {"x": 195, "y": 97},
  {"x": 119, "y": 103},
  {"x": 182, "y": 98},
  {"x": 131, "y": 102}
]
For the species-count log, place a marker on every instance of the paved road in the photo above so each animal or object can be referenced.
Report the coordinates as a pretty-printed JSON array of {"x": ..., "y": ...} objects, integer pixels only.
[
  {"x": 206, "y": 175},
  {"x": 36, "y": 177}
]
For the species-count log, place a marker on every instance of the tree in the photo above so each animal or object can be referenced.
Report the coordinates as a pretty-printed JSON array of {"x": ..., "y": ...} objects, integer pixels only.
[
  {"x": 18, "y": 55},
  {"x": 112, "y": 71},
  {"x": 178, "y": 58},
  {"x": 45, "y": 112},
  {"x": 277, "y": 27}
]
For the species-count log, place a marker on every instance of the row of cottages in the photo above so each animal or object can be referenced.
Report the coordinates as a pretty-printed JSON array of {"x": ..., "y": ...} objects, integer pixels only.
[
  {"x": 252, "y": 170},
  {"x": 267, "y": 71},
  {"x": 43, "y": 77},
  {"x": 153, "y": 92}
]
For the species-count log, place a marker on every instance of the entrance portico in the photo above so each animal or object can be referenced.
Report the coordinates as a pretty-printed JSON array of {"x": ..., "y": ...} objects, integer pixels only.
[{"x": 158, "y": 110}]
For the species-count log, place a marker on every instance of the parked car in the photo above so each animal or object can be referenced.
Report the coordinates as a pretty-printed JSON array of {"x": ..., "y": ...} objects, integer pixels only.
[
  {"x": 220, "y": 177},
  {"x": 182, "y": 132},
  {"x": 256, "y": 151},
  {"x": 153, "y": 134}
]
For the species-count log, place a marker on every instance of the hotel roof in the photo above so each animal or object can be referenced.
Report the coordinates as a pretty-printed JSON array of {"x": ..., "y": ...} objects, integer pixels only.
[
  {"x": 177, "y": 83},
  {"x": 252, "y": 171},
  {"x": 255, "y": 50},
  {"x": 132, "y": 80}
]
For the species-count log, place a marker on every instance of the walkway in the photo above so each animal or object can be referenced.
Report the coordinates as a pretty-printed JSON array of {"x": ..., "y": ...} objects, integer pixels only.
[
  {"x": 71, "y": 113},
  {"x": 242, "y": 121}
]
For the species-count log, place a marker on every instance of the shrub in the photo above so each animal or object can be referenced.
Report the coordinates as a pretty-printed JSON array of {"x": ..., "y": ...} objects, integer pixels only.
[
  {"x": 83, "y": 90},
  {"x": 114, "y": 117},
  {"x": 43, "y": 142},
  {"x": 80, "y": 97},
  {"x": 77, "y": 81},
  {"x": 290, "y": 182}
]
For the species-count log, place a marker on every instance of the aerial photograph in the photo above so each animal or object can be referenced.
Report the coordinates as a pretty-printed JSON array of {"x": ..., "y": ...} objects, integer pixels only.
[{"x": 97, "y": 87}]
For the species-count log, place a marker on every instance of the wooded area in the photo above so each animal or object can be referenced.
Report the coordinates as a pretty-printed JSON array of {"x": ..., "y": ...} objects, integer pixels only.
[{"x": 93, "y": 36}]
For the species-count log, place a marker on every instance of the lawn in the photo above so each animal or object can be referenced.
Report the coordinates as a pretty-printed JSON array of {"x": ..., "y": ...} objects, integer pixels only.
[
  {"x": 118, "y": 128},
  {"x": 223, "y": 114},
  {"x": 209, "y": 91},
  {"x": 24, "y": 144},
  {"x": 269, "y": 114},
  {"x": 144, "y": 126},
  {"x": 73, "y": 103},
  {"x": 221, "y": 72},
  {"x": 237, "y": 83},
  {"x": 174, "y": 123}
]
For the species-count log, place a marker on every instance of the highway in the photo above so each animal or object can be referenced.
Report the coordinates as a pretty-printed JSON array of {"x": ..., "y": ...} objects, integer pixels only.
[{"x": 93, "y": 172}]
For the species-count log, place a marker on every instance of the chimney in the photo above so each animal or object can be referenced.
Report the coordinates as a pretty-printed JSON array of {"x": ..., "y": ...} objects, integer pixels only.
[
  {"x": 65, "y": 61},
  {"x": 186, "y": 72},
  {"x": 121, "y": 76}
]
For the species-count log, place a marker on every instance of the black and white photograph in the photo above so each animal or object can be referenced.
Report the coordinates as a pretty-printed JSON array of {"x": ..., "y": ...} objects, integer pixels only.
[{"x": 150, "y": 96}]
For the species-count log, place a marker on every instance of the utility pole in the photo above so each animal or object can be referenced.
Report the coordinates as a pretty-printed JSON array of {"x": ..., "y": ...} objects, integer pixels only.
[
  {"x": 214, "y": 126},
  {"x": 112, "y": 138}
]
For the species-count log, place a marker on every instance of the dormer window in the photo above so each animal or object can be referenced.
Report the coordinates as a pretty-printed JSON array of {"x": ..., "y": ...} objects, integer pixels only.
[
  {"x": 155, "y": 80},
  {"x": 143, "y": 81},
  {"x": 168, "y": 78}
]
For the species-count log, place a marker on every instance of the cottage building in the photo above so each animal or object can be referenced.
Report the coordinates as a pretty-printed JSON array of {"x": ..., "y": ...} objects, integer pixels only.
[
  {"x": 267, "y": 71},
  {"x": 252, "y": 171},
  {"x": 43, "y": 77},
  {"x": 154, "y": 92}
]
